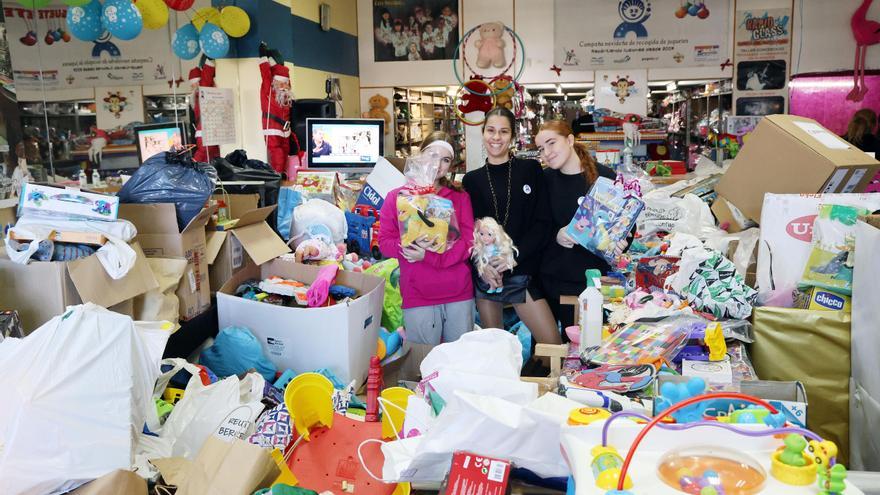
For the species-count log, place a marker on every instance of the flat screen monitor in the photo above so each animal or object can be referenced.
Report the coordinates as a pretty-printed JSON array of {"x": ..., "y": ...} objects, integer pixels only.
[
  {"x": 156, "y": 138},
  {"x": 348, "y": 144}
]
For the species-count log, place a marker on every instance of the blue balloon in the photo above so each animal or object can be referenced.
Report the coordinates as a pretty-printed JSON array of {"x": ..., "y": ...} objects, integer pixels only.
[
  {"x": 122, "y": 19},
  {"x": 214, "y": 42},
  {"x": 185, "y": 42},
  {"x": 84, "y": 23}
]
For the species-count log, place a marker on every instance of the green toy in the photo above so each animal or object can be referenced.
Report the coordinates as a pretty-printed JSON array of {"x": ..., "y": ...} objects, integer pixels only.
[
  {"x": 163, "y": 409},
  {"x": 831, "y": 481},
  {"x": 283, "y": 489},
  {"x": 392, "y": 312},
  {"x": 793, "y": 453}
]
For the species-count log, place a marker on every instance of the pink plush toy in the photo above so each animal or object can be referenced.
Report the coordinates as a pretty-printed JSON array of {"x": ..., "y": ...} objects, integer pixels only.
[
  {"x": 491, "y": 46},
  {"x": 320, "y": 288},
  {"x": 866, "y": 33}
]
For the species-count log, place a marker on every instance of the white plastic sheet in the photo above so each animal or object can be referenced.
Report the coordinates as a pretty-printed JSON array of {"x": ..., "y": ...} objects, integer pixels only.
[{"x": 75, "y": 393}]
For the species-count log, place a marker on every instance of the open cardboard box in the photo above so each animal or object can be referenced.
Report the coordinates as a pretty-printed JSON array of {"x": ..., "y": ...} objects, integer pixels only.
[
  {"x": 340, "y": 337},
  {"x": 250, "y": 241},
  {"x": 42, "y": 290},
  {"x": 160, "y": 237},
  {"x": 791, "y": 154}
]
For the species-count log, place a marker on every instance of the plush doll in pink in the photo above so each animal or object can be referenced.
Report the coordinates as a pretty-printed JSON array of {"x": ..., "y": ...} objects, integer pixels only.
[
  {"x": 491, "y": 46},
  {"x": 866, "y": 33}
]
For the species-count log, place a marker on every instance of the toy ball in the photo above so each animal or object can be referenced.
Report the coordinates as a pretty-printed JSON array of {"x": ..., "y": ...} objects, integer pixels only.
[
  {"x": 34, "y": 4},
  {"x": 185, "y": 42},
  {"x": 154, "y": 13},
  {"x": 179, "y": 5},
  {"x": 206, "y": 15},
  {"x": 214, "y": 41},
  {"x": 234, "y": 21},
  {"x": 122, "y": 19},
  {"x": 693, "y": 9},
  {"x": 76, "y": 3},
  {"x": 84, "y": 22}
]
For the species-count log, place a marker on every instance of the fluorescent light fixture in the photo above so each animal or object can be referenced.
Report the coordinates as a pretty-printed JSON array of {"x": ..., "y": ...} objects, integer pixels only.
[
  {"x": 696, "y": 82},
  {"x": 660, "y": 92},
  {"x": 661, "y": 84},
  {"x": 540, "y": 86},
  {"x": 807, "y": 83},
  {"x": 577, "y": 85},
  {"x": 559, "y": 88},
  {"x": 577, "y": 94}
]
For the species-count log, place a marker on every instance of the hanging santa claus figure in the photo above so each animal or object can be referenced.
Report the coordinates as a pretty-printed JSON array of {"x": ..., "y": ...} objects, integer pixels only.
[
  {"x": 275, "y": 101},
  {"x": 201, "y": 76}
]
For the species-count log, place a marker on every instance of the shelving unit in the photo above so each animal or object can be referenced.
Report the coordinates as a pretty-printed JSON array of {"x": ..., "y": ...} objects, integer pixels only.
[{"x": 417, "y": 114}]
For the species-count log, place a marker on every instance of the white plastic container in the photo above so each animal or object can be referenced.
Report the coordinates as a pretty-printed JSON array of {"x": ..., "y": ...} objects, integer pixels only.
[{"x": 590, "y": 302}]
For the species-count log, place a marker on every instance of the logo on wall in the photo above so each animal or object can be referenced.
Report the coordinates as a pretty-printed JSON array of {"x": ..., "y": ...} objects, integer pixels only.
[
  {"x": 695, "y": 9},
  {"x": 623, "y": 88},
  {"x": 634, "y": 13},
  {"x": 570, "y": 57},
  {"x": 115, "y": 103},
  {"x": 765, "y": 27}
]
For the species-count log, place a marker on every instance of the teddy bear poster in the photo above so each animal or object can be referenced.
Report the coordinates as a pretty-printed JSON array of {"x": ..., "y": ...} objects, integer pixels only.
[{"x": 413, "y": 30}]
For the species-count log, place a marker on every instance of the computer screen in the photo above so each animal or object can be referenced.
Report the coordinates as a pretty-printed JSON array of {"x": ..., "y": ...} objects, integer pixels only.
[
  {"x": 344, "y": 143},
  {"x": 156, "y": 138}
]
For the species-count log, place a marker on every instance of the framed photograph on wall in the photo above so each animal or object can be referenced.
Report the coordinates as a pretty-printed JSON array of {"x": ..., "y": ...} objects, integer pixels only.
[{"x": 413, "y": 30}]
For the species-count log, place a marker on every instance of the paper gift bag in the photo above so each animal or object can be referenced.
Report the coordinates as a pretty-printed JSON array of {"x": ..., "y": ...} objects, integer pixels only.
[
  {"x": 221, "y": 468},
  {"x": 116, "y": 483},
  {"x": 812, "y": 347}
]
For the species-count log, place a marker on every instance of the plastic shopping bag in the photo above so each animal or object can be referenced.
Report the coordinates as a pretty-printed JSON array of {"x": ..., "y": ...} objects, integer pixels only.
[
  {"x": 288, "y": 199},
  {"x": 830, "y": 265},
  {"x": 420, "y": 212}
]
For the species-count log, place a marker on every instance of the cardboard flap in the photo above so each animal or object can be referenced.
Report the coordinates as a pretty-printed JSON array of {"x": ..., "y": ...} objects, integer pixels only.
[
  {"x": 151, "y": 218},
  {"x": 254, "y": 216},
  {"x": 199, "y": 221},
  {"x": 260, "y": 241},
  {"x": 94, "y": 285},
  {"x": 238, "y": 204},
  {"x": 213, "y": 243}
]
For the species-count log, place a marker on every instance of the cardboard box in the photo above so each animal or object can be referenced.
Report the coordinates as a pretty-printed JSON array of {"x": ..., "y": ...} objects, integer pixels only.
[
  {"x": 340, "y": 337},
  {"x": 791, "y": 154},
  {"x": 728, "y": 214},
  {"x": 39, "y": 291},
  {"x": 159, "y": 236},
  {"x": 250, "y": 241},
  {"x": 821, "y": 300},
  {"x": 67, "y": 201},
  {"x": 472, "y": 474},
  {"x": 382, "y": 179}
]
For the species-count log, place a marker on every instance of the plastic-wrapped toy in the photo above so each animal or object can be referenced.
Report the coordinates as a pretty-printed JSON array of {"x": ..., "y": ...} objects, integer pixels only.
[
  {"x": 830, "y": 265},
  {"x": 490, "y": 242},
  {"x": 604, "y": 217},
  {"x": 421, "y": 213}
]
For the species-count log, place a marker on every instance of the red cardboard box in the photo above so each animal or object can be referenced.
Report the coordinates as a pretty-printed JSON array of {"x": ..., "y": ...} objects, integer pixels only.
[{"x": 472, "y": 474}]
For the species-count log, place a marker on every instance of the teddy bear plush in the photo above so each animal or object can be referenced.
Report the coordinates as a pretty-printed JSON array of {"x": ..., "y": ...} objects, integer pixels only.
[
  {"x": 377, "y": 110},
  {"x": 491, "y": 46},
  {"x": 504, "y": 98}
]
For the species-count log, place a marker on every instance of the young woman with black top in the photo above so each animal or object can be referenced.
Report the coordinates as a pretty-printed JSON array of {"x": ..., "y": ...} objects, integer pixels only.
[
  {"x": 570, "y": 173},
  {"x": 860, "y": 131},
  {"x": 511, "y": 191}
]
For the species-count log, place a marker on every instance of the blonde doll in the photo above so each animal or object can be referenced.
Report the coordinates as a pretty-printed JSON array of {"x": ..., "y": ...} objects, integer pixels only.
[{"x": 490, "y": 241}]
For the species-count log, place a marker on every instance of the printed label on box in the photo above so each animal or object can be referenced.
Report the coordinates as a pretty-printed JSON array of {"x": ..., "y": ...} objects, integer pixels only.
[
  {"x": 275, "y": 345},
  {"x": 834, "y": 181},
  {"x": 237, "y": 254},
  {"x": 854, "y": 180},
  {"x": 795, "y": 412},
  {"x": 822, "y": 135}
]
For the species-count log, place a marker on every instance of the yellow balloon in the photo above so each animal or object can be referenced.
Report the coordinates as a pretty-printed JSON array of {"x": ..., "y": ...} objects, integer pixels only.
[
  {"x": 235, "y": 21},
  {"x": 205, "y": 15},
  {"x": 154, "y": 12}
]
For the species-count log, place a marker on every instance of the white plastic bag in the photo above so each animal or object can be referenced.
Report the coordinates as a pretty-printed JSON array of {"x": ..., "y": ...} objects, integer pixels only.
[
  {"x": 528, "y": 436},
  {"x": 317, "y": 218},
  {"x": 75, "y": 392},
  {"x": 687, "y": 215}
]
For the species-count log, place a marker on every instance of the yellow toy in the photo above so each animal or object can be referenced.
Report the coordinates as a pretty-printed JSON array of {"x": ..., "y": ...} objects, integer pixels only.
[
  {"x": 424, "y": 215},
  {"x": 822, "y": 452},
  {"x": 309, "y": 398},
  {"x": 715, "y": 341},
  {"x": 606, "y": 467}
]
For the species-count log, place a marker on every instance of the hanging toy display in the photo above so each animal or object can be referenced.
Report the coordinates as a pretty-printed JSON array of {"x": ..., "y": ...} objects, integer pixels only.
[
  {"x": 481, "y": 93},
  {"x": 122, "y": 19},
  {"x": 697, "y": 8}
]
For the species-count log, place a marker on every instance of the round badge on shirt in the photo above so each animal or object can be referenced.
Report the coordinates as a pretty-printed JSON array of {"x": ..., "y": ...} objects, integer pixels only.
[{"x": 527, "y": 189}]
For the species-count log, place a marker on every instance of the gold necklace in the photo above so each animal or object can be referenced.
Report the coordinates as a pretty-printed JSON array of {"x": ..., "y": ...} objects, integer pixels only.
[{"x": 495, "y": 199}]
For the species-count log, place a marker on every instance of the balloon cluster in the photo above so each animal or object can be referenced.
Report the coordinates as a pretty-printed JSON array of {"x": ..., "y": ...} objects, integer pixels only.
[{"x": 209, "y": 30}]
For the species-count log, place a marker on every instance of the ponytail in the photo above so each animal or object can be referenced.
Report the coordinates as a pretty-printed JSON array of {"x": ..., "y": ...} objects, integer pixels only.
[
  {"x": 588, "y": 164},
  {"x": 862, "y": 123}
]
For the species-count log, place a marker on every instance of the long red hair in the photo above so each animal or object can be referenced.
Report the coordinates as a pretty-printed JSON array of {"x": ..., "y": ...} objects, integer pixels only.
[{"x": 588, "y": 165}]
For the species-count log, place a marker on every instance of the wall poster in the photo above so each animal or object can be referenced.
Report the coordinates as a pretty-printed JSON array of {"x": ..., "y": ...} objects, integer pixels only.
[
  {"x": 411, "y": 30},
  {"x": 217, "y": 107},
  {"x": 624, "y": 91},
  {"x": 641, "y": 33},
  {"x": 761, "y": 61}
]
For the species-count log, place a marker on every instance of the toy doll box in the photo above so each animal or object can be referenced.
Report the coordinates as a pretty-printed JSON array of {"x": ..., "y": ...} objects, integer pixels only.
[
  {"x": 67, "y": 202},
  {"x": 605, "y": 216},
  {"x": 341, "y": 337}
]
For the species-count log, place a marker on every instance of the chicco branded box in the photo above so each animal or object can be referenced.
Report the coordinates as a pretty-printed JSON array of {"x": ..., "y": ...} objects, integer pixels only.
[
  {"x": 341, "y": 337},
  {"x": 822, "y": 300}
]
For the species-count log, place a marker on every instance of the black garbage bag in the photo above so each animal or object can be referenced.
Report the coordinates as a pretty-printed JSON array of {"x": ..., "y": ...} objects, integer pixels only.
[
  {"x": 172, "y": 177},
  {"x": 237, "y": 167}
]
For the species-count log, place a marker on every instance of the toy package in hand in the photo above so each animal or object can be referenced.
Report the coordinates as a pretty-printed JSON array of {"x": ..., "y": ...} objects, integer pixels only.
[
  {"x": 830, "y": 265},
  {"x": 605, "y": 217},
  {"x": 421, "y": 213}
]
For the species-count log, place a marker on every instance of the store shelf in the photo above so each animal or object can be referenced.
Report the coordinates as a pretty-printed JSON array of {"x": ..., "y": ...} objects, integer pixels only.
[
  {"x": 618, "y": 136},
  {"x": 39, "y": 115}
]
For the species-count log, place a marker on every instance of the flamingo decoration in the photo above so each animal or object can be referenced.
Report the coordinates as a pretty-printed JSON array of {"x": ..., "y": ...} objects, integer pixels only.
[{"x": 866, "y": 33}]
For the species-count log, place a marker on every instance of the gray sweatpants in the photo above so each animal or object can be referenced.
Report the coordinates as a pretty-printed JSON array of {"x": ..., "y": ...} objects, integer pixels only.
[{"x": 442, "y": 323}]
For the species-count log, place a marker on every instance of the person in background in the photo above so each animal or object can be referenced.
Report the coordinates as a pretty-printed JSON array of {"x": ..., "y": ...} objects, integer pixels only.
[
  {"x": 569, "y": 175},
  {"x": 861, "y": 131},
  {"x": 437, "y": 292},
  {"x": 319, "y": 146},
  {"x": 511, "y": 191}
]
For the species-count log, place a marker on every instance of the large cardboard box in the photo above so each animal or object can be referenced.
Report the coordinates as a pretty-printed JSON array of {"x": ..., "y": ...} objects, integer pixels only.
[
  {"x": 159, "y": 236},
  {"x": 249, "y": 241},
  {"x": 787, "y": 154},
  {"x": 340, "y": 337},
  {"x": 42, "y": 290}
]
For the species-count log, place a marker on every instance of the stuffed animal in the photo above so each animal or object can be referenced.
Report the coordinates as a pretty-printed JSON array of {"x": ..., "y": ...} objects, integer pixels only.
[
  {"x": 377, "y": 110},
  {"x": 415, "y": 222},
  {"x": 503, "y": 98},
  {"x": 491, "y": 46},
  {"x": 471, "y": 102}
]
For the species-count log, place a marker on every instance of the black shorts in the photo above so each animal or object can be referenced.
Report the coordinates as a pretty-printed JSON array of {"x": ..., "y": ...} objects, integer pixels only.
[{"x": 514, "y": 290}]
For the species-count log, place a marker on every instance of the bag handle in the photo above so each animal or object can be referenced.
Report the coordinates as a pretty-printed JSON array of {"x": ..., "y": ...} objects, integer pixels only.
[{"x": 177, "y": 365}]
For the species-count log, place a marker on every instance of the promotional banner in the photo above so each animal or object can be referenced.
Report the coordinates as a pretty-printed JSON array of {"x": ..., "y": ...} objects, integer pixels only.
[
  {"x": 622, "y": 91},
  {"x": 42, "y": 41},
  {"x": 641, "y": 33},
  {"x": 762, "y": 54}
]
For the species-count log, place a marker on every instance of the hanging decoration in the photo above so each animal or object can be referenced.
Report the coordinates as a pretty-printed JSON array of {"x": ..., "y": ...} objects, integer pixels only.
[
  {"x": 234, "y": 21},
  {"x": 206, "y": 15},
  {"x": 154, "y": 13},
  {"x": 76, "y": 3},
  {"x": 213, "y": 41},
  {"x": 866, "y": 33},
  {"x": 185, "y": 42},
  {"x": 84, "y": 22},
  {"x": 180, "y": 5},
  {"x": 34, "y": 4},
  {"x": 697, "y": 8},
  {"x": 481, "y": 92},
  {"x": 122, "y": 19}
]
